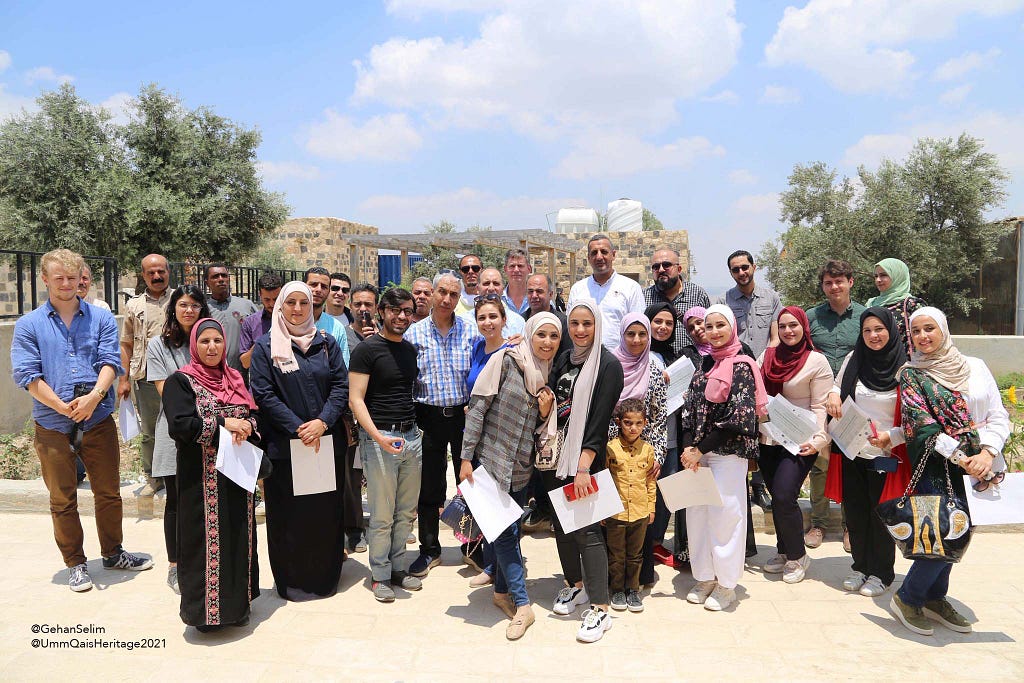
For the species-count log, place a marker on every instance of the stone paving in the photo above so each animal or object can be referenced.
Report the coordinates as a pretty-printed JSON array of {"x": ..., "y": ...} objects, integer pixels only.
[{"x": 808, "y": 631}]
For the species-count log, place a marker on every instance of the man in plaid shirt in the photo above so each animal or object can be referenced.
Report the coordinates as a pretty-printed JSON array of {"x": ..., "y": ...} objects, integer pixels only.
[
  {"x": 444, "y": 343},
  {"x": 669, "y": 287}
]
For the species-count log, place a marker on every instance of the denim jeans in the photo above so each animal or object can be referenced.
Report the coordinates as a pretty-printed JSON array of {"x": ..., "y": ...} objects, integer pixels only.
[
  {"x": 508, "y": 559},
  {"x": 926, "y": 580},
  {"x": 392, "y": 491}
]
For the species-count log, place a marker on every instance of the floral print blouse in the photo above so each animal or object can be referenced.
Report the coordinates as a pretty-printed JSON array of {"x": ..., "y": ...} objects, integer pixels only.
[{"x": 736, "y": 417}]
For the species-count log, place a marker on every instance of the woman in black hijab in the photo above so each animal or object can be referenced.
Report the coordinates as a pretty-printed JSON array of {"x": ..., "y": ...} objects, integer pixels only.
[{"x": 869, "y": 377}]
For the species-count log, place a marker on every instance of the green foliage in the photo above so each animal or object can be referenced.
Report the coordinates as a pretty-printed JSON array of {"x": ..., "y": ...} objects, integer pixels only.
[
  {"x": 18, "y": 458},
  {"x": 927, "y": 211},
  {"x": 1011, "y": 379},
  {"x": 272, "y": 256},
  {"x": 436, "y": 259},
  {"x": 174, "y": 181},
  {"x": 650, "y": 221}
]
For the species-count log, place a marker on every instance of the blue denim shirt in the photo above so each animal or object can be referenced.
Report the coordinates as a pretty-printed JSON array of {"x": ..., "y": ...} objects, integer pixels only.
[{"x": 45, "y": 348}]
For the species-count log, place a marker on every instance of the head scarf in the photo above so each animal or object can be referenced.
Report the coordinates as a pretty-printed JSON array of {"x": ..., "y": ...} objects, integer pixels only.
[
  {"x": 782, "y": 362},
  {"x": 697, "y": 312},
  {"x": 222, "y": 381},
  {"x": 719, "y": 378},
  {"x": 877, "y": 370},
  {"x": 946, "y": 365},
  {"x": 283, "y": 334},
  {"x": 899, "y": 289},
  {"x": 636, "y": 371},
  {"x": 535, "y": 370},
  {"x": 665, "y": 348},
  {"x": 582, "y": 391}
]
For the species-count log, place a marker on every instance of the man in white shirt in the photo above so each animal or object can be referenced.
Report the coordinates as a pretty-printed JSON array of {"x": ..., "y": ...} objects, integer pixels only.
[
  {"x": 492, "y": 284},
  {"x": 616, "y": 295}
]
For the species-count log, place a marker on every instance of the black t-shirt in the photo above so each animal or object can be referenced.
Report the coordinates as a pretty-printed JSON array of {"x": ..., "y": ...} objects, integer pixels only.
[{"x": 392, "y": 370}]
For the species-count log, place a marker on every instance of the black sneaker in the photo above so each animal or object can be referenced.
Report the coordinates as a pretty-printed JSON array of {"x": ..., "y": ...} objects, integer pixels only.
[
  {"x": 125, "y": 560},
  {"x": 423, "y": 564},
  {"x": 619, "y": 601},
  {"x": 634, "y": 602}
]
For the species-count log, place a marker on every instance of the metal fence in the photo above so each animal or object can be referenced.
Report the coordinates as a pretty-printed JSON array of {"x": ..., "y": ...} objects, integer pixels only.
[
  {"x": 26, "y": 281},
  {"x": 244, "y": 279}
]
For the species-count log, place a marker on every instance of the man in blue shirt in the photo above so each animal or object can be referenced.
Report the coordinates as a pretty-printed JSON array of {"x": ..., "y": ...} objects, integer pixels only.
[
  {"x": 66, "y": 353},
  {"x": 444, "y": 346}
]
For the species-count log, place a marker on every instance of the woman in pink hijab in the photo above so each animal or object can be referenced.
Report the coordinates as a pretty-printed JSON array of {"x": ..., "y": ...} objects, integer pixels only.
[{"x": 719, "y": 429}]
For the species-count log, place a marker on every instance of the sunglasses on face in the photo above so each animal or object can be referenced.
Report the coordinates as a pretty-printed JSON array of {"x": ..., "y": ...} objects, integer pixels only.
[
  {"x": 740, "y": 269},
  {"x": 664, "y": 265},
  {"x": 470, "y": 269},
  {"x": 339, "y": 288}
]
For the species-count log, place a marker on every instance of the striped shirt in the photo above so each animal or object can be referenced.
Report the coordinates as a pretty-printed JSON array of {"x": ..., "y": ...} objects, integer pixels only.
[{"x": 443, "y": 360}]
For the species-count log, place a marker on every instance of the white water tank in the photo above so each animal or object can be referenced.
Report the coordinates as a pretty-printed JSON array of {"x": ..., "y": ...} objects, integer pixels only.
[
  {"x": 625, "y": 215},
  {"x": 576, "y": 219}
]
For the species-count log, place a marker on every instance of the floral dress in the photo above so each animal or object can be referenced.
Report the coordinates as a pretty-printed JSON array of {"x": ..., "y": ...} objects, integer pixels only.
[
  {"x": 218, "y": 571},
  {"x": 655, "y": 432},
  {"x": 737, "y": 417},
  {"x": 902, "y": 310}
]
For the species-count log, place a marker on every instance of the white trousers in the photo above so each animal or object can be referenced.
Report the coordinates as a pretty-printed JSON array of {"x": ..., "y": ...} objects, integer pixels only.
[{"x": 717, "y": 536}]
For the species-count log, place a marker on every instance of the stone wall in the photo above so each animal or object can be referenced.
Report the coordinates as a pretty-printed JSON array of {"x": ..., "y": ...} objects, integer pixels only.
[{"x": 321, "y": 241}]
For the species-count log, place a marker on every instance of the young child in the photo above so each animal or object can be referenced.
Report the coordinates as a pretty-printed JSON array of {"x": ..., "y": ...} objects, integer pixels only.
[{"x": 630, "y": 460}]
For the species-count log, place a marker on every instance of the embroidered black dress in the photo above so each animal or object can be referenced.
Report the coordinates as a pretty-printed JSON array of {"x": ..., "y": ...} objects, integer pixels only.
[{"x": 218, "y": 572}]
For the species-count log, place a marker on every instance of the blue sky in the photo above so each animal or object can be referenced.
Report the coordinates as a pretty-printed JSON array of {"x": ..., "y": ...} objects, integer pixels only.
[{"x": 405, "y": 112}]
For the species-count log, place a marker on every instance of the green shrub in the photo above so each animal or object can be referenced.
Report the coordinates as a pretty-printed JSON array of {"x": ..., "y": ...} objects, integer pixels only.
[{"x": 18, "y": 458}]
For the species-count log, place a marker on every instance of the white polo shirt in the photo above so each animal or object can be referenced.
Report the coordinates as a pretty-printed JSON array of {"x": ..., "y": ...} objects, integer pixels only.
[{"x": 618, "y": 296}]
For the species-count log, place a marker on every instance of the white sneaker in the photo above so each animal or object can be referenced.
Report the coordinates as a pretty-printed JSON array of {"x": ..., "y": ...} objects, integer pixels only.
[
  {"x": 775, "y": 565},
  {"x": 700, "y": 591},
  {"x": 873, "y": 587},
  {"x": 854, "y": 581},
  {"x": 568, "y": 598},
  {"x": 795, "y": 570},
  {"x": 595, "y": 622},
  {"x": 719, "y": 599}
]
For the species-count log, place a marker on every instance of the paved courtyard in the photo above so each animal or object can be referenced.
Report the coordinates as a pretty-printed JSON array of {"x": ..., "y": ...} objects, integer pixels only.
[{"x": 809, "y": 631}]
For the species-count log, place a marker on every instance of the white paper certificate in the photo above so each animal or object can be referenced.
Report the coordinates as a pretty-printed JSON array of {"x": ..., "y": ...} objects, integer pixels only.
[
  {"x": 128, "y": 420},
  {"x": 313, "y": 472},
  {"x": 688, "y": 488},
  {"x": 492, "y": 508},
  {"x": 851, "y": 432},
  {"x": 679, "y": 374},
  {"x": 573, "y": 515},
  {"x": 241, "y": 463},
  {"x": 1002, "y": 504},
  {"x": 789, "y": 425}
]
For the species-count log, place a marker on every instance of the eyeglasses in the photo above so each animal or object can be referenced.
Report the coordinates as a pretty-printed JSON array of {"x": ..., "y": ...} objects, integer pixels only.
[
  {"x": 983, "y": 484},
  {"x": 400, "y": 311},
  {"x": 740, "y": 269},
  {"x": 339, "y": 288},
  {"x": 188, "y": 307},
  {"x": 664, "y": 265},
  {"x": 470, "y": 269}
]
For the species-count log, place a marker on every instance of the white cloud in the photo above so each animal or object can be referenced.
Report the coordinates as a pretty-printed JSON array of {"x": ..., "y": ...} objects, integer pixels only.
[
  {"x": 611, "y": 155},
  {"x": 965, "y": 63},
  {"x": 871, "y": 149},
  {"x": 779, "y": 94},
  {"x": 546, "y": 68},
  {"x": 956, "y": 95},
  {"x": 464, "y": 207},
  {"x": 5, "y": 60},
  {"x": 859, "y": 46},
  {"x": 11, "y": 105},
  {"x": 390, "y": 137},
  {"x": 742, "y": 176},
  {"x": 276, "y": 171},
  {"x": 723, "y": 97},
  {"x": 119, "y": 106},
  {"x": 757, "y": 204},
  {"x": 46, "y": 74}
]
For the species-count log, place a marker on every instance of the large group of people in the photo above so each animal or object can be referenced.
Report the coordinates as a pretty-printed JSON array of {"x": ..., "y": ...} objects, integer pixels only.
[{"x": 388, "y": 388}]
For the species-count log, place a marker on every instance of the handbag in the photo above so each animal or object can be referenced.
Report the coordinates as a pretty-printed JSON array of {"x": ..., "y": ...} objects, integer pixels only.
[
  {"x": 928, "y": 526},
  {"x": 457, "y": 515},
  {"x": 548, "y": 451}
]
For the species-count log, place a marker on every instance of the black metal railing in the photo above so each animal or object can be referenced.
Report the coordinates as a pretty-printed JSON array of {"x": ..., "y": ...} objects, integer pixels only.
[
  {"x": 244, "y": 279},
  {"x": 27, "y": 272}
]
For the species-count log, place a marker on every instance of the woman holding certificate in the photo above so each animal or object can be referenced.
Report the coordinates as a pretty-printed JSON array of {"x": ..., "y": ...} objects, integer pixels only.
[
  {"x": 509, "y": 410},
  {"x": 801, "y": 375},
  {"x": 218, "y": 574},
  {"x": 300, "y": 383},
  {"x": 868, "y": 377},
  {"x": 943, "y": 392},
  {"x": 718, "y": 429}
]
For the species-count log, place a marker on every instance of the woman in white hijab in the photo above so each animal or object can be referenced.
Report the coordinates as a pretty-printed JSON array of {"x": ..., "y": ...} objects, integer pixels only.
[
  {"x": 587, "y": 381},
  {"x": 943, "y": 391}
]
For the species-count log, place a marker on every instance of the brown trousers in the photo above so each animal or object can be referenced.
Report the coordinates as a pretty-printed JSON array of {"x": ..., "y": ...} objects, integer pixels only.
[
  {"x": 625, "y": 553},
  {"x": 101, "y": 456}
]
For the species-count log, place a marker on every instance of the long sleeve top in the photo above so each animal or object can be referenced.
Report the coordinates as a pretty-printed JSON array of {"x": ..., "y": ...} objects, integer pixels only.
[
  {"x": 729, "y": 428},
  {"x": 606, "y": 393},
  {"x": 629, "y": 466},
  {"x": 317, "y": 389},
  {"x": 655, "y": 432},
  {"x": 880, "y": 406},
  {"x": 808, "y": 389}
]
